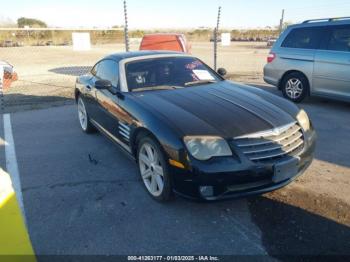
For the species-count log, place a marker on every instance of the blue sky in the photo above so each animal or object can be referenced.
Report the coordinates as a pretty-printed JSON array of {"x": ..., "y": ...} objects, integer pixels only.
[{"x": 172, "y": 14}]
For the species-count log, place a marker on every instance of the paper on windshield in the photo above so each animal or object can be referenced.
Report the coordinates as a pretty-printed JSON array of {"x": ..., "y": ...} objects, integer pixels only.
[{"x": 203, "y": 75}]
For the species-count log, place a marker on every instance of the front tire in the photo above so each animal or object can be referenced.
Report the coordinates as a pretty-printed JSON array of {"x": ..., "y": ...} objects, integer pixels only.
[
  {"x": 295, "y": 87},
  {"x": 83, "y": 116},
  {"x": 154, "y": 169}
]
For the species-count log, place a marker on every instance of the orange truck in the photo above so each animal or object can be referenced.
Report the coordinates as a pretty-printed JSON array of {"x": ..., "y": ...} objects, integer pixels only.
[
  {"x": 7, "y": 75},
  {"x": 168, "y": 42}
]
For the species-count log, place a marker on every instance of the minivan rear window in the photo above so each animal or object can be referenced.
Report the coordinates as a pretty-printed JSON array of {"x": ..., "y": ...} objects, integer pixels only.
[{"x": 304, "y": 38}]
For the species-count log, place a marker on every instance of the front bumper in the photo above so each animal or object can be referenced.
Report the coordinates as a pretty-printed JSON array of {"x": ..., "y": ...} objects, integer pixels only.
[{"x": 227, "y": 178}]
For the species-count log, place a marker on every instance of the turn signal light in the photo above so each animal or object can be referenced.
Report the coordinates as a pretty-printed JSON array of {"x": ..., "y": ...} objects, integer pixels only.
[{"x": 176, "y": 164}]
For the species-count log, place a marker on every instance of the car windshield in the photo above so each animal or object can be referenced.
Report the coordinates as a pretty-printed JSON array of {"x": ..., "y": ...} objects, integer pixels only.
[{"x": 168, "y": 73}]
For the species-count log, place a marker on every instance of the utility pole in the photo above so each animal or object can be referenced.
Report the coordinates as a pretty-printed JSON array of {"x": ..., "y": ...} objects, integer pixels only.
[
  {"x": 216, "y": 32},
  {"x": 281, "y": 22},
  {"x": 126, "y": 29}
]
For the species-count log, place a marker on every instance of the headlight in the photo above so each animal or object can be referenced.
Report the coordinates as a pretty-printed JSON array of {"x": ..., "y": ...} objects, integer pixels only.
[
  {"x": 303, "y": 120},
  {"x": 204, "y": 148}
]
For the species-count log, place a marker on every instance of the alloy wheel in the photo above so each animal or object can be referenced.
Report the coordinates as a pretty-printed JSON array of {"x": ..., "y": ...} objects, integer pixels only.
[
  {"x": 82, "y": 114},
  {"x": 294, "y": 88},
  {"x": 151, "y": 169}
]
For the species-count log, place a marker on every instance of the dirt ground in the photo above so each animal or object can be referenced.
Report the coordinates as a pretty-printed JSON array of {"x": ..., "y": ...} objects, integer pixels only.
[
  {"x": 47, "y": 75},
  {"x": 323, "y": 190}
]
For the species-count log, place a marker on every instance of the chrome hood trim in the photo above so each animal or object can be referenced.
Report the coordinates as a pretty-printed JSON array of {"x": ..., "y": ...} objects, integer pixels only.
[{"x": 271, "y": 132}]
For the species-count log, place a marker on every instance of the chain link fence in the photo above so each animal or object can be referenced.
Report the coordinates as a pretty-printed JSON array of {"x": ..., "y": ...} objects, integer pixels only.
[{"x": 47, "y": 64}]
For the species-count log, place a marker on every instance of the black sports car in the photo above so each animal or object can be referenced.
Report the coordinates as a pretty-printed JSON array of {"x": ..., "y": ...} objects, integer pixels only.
[{"x": 191, "y": 131}]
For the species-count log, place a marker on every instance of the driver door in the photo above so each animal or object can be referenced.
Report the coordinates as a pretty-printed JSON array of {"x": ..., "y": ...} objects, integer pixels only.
[{"x": 107, "y": 102}]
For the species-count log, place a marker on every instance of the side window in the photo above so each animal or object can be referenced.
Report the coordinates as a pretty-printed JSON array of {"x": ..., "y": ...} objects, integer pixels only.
[
  {"x": 340, "y": 39},
  {"x": 108, "y": 70},
  {"x": 304, "y": 38}
]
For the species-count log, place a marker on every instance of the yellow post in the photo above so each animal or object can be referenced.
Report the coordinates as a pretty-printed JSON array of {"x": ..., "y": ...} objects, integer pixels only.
[{"x": 14, "y": 239}]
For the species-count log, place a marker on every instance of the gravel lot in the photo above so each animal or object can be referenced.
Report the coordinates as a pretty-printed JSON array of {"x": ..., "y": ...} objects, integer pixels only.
[
  {"x": 63, "y": 191},
  {"x": 47, "y": 73}
]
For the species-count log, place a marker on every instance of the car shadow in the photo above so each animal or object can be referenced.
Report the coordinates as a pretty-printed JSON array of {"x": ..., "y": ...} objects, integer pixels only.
[
  {"x": 71, "y": 70},
  {"x": 291, "y": 231}
]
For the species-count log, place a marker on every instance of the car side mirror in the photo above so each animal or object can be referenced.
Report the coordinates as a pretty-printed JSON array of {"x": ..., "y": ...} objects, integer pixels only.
[
  {"x": 103, "y": 84},
  {"x": 222, "y": 71}
]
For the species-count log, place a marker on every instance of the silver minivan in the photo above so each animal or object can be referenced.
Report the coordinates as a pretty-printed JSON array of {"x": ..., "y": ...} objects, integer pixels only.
[{"x": 312, "y": 58}]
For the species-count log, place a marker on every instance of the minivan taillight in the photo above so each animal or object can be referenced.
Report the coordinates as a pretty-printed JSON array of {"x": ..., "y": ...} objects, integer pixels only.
[{"x": 271, "y": 57}]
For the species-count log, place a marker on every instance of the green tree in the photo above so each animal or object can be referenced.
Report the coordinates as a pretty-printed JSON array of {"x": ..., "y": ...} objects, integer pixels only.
[{"x": 31, "y": 22}]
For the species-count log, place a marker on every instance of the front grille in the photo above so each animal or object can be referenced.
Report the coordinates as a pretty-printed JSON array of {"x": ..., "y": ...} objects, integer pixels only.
[{"x": 272, "y": 145}]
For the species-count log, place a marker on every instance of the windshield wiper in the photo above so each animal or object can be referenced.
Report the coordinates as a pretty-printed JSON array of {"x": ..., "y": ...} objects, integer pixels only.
[
  {"x": 156, "y": 88},
  {"x": 200, "y": 82}
]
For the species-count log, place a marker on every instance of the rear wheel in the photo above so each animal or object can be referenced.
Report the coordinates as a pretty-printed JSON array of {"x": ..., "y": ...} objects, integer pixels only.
[
  {"x": 84, "y": 119},
  {"x": 295, "y": 87},
  {"x": 154, "y": 170}
]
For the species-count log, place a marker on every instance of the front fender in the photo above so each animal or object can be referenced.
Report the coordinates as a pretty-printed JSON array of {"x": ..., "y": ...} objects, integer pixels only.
[{"x": 147, "y": 121}]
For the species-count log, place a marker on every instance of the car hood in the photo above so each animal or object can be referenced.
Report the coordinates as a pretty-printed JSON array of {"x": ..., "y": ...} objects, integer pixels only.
[{"x": 224, "y": 109}]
